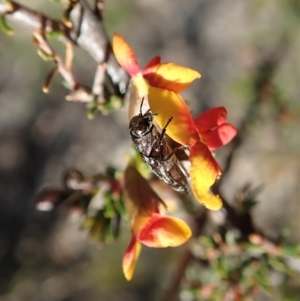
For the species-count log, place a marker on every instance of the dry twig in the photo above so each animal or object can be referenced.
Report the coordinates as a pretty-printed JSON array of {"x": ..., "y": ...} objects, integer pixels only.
[{"x": 87, "y": 32}]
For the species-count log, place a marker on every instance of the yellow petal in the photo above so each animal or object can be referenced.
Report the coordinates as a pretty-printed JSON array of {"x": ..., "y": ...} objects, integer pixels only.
[
  {"x": 204, "y": 172},
  {"x": 131, "y": 257},
  {"x": 134, "y": 100},
  {"x": 139, "y": 198},
  {"x": 169, "y": 104},
  {"x": 141, "y": 85},
  {"x": 125, "y": 55},
  {"x": 164, "y": 231},
  {"x": 170, "y": 76}
]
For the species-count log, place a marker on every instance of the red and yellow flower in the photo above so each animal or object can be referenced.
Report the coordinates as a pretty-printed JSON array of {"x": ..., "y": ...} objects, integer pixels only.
[
  {"x": 161, "y": 83},
  {"x": 148, "y": 226},
  {"x": 168, "y": 76},
  {"x": 203, "y": 134}
]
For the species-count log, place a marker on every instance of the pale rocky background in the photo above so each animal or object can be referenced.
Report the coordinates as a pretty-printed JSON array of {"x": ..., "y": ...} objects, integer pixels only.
[{"x": 41, "y": 135}]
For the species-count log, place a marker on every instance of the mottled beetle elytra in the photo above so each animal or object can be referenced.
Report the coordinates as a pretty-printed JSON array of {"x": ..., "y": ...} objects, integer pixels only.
[{"x": 156, "y": 152}]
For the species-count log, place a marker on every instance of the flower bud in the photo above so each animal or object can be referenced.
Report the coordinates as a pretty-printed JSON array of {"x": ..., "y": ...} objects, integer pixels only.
[
  {"x": 73, "y": 179},
  {"x": 50, "y": 198}
]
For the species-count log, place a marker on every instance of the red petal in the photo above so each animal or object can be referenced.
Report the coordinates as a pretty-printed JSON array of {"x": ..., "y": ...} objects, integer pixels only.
[
  {"x": 164, "y": 231},
  {"x": 155, "y": 61},
  {"x": 219, "y": 136},
  {"x": 125, "y": 55},
  {"x": 130, "y": 258},
  {"x": 210, "y": 119}
]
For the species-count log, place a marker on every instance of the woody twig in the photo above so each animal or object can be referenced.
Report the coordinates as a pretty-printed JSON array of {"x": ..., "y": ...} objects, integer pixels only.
[{"x": 85, "y": 30}]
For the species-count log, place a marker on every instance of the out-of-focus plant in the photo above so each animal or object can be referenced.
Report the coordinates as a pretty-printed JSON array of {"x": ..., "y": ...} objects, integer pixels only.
[
  {"x": 97, "y": 199},
  {"x": 228, "y": 266}
]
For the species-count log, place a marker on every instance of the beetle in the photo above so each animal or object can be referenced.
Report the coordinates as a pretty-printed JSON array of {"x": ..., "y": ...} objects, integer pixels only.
[{"x": 155, "y": 151}]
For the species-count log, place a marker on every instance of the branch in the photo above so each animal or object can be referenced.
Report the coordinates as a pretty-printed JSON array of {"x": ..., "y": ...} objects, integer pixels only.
[
  {"x": 87, "y": 32},
  {"x": 243, "y": 222},
  {"x": 79, "y": 92},
  {"x": 173, "y": 289},
  {"x": 265, "y": 72}
]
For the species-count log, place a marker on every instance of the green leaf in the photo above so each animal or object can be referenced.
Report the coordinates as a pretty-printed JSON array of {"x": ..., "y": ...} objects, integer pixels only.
[
  {"x": 107, "y": 231},
  {"x": 278, "y": 264},
  {"x": 139, "y": 163},
  {"x": 109, "y": 207},
  {"x": 206, "y": 241},
  {"x": 262, "y": 278},
  {"x": 111, "y": 105},
  {"x": 291, "y": 250},
  {"x": 92, "y": 110},
  {"x": 54, "y": 34},
  {"x": 4, "y": 27},
  {"x": 119, "y": 206},
  {"x": 115, "y": 226},
  {"x": 230, "y": 238},
  {"x": 45, "y": 56}
]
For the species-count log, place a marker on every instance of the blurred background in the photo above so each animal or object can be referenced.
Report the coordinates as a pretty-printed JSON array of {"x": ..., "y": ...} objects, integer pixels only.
[{"x": 46, "y": 256}]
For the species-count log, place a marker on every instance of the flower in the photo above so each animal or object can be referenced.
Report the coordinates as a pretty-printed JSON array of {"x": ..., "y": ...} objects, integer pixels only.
[
  {"x": 162, "y": 82},
  {"x": 168, "y": 76},
  {"x": 203, "y": 134},
  {"x": 148, "y": 226}
]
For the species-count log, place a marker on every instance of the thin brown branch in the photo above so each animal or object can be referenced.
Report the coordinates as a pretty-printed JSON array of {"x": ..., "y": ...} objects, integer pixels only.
[
  {"x": 86, "y": 32},
  {"x": 48, "y": 79},
  {"x": 79, "y": 92},
  {"x": 99, "y": 81},
  {"x": 33, "y": 18},
  {"x": 99, "y": 7},
  {"x": 265, "y": 72},
  {"x": 172, "y": 292}
]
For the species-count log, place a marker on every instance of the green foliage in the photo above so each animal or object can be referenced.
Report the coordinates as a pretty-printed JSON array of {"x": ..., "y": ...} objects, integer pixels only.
[
  {"x": 231, "y": 266},
  {"x": 45, "y": 56},
  {"x": 53, "y": 34},
  {"x": 5, "y": 27},
  {"x": 109, "y": 106}
]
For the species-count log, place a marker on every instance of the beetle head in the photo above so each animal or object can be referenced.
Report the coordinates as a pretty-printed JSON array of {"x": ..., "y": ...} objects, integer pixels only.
[{"x": 141, "y": 125}]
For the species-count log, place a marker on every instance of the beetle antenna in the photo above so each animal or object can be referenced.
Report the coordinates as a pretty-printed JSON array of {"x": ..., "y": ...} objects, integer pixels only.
[{"x": 141, "y": 113}]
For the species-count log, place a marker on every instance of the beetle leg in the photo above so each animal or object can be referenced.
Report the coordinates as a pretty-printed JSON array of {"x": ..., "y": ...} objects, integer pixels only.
[
  {"x": 173, "y": 152},
  {"x": 163, "y": 132}
]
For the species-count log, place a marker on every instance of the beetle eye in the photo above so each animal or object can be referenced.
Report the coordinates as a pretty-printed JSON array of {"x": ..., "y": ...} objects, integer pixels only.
[
  {"x": 148, "y": 116},
  {"x": 134, "y": 122}
]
